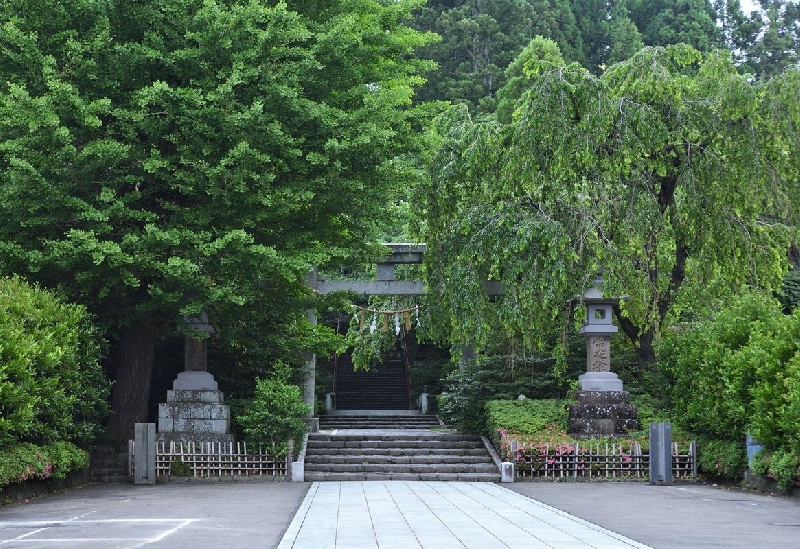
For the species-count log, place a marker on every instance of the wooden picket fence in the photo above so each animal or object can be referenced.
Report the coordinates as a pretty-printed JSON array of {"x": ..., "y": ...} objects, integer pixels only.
[
  {"x": 215, "y": 459},
  {"x": 593, "y": 460}
]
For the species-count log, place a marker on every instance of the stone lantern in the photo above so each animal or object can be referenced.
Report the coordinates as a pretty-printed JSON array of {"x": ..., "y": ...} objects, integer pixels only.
[
  {"x": 195, "y": 410},
  {"x": 598, "y": 330},
  {"x": 603, "y": 408}
]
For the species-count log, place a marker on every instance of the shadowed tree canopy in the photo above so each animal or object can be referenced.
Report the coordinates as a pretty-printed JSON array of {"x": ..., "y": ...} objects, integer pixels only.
[
  {"x": 539, "y": 55},
  {"x": 773, "y": 39},
  {"x": 162, "y": 157},
  {"x": 480, "y": 38},
  {"x": 609, "y": 35},
  {"x": 670, "y": 171},
  {"x": 665, "y": 22}
]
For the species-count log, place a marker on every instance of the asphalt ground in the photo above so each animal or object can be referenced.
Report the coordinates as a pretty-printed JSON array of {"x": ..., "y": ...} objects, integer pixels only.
[
  {"x": 197, "y": 515},
  {"x": 257, "y": 514},
  {"x": 681, "y": 516}
]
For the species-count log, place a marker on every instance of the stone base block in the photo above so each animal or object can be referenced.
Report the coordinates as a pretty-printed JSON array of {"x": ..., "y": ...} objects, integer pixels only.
[
  {"x": 606, "y": 413},
  {"x": 195, "y": 381},
  {"x": 600, "y": 381},
  {"x": 195, "y": 437},
  {"x": 602, "y": 398},
  {"x": 210, "y": 397},
  {"x": 586, "y": 427},
  {"x": 193, "y": 410}
]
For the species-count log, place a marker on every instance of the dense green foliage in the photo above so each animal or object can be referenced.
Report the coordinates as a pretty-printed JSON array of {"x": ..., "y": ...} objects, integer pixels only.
[
  {"x": 722, "y": 459},
  {"x": 781, "y": 465},
  {"x": 480, "y": 39},
  {"x": 737, "y": 374},
  {"x": 53, "y": 394},
  {"x": 526, "y": 416},
  {"x": 275, "y": 414},
  {"x": 500, "y": 377},
  {"x": 539, "y": 55},
  {"x": 163, "y": 157},
  {"x": 51, "y": 385},
  {"x": 670, "y": 171},
  {"x": 25, "y": 461}
]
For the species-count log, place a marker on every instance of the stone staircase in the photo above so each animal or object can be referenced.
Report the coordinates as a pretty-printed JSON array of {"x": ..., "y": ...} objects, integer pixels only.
[
  {"x": 384, "y": 387},
  {"x": 385, "y": 420},
  {"x": 391, "y": 447}
]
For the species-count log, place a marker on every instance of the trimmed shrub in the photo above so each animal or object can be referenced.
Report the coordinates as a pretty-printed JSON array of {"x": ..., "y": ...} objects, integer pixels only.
[
  {"x": 52, "y": 388},
  {"x": 526, "y": 416},
  {"x": 463, "y": 406},
  {"x": 738, "y": 373},
  {"x": 25, "y": 461},
  {"x": 275, "y": 414},
  {"x": 721, "y": 459}
]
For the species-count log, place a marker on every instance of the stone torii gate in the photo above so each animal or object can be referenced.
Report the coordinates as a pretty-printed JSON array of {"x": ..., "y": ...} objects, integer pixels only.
[{"x": 386, "y": 284}]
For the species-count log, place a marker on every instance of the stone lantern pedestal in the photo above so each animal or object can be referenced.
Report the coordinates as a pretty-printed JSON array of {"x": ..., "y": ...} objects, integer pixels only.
[
  {"x": 195, "y": 410},
  {"x": 603, "y": 407}
]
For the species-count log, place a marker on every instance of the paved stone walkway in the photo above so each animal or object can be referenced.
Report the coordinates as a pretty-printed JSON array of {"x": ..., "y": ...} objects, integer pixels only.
[{"x": 436, "y": 515}]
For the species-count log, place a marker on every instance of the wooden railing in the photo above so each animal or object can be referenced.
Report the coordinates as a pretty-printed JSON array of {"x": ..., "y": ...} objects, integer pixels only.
[
  {"x": 593, "y": 460},
  {"x": 214, "y": 459}
]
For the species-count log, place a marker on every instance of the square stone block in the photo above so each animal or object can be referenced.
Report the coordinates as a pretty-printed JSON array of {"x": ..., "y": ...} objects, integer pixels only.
[
  {"x": 165, "y": 425},
  {"x": 164, "y": 411},
  {"x": 183, "y": 424},
  {"x": 209, "y": 426},
  {"x": 220, "y": 411}
]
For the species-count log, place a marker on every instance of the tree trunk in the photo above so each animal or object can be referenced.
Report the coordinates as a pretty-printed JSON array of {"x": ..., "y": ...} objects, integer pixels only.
[
  {"x": 646, "y": 351},
  {"x": 131, "y": 395}
]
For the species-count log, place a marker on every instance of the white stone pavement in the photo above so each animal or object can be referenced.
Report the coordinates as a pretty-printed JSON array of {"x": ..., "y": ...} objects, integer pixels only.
[{"x": 436, "y": 515}]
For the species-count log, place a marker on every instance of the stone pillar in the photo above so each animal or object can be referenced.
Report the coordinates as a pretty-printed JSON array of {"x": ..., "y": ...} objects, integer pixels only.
[
  {"x": 144, "y": 457},
  {"x": 310, "y": 383},
  {"x": 661, "y": 454}
]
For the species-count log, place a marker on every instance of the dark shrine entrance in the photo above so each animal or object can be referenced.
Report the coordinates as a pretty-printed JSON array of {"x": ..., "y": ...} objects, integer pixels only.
[{"x": 385, "y": 386}]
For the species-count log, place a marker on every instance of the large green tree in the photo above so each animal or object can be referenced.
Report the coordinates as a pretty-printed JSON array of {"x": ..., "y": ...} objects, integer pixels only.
[
  {"x": 774, "y": 38},
  {"x": 609, "y": 35},
  {"x": 480, "y": 38},
  {"x": 670, "y": 171},
  {"x": 665, "y": 22},
  {"x": 162, "y": 157}
]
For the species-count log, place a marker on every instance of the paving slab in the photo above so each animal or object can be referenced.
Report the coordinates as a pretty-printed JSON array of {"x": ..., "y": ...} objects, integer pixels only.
[
  {"x": 436, "y": 515},
  {"x": 402, "y": 515}
]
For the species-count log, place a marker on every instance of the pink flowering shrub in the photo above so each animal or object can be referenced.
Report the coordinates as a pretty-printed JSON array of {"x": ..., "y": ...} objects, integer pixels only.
[{"x": 28, "y": 461}]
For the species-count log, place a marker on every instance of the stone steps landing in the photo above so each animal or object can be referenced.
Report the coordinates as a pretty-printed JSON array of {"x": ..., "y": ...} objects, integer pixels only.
[{"x": 395, "y": 456}]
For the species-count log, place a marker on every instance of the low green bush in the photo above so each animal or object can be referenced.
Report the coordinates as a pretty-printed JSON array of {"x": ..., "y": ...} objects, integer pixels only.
[
  {"x": 52, "y": 386},
  {"x": 21, "y": 462},
  {"x": 780, "y": 465},
  {"x": 721, "y": 459},
  {"x": 526, "y": 416},
  {"x": 470, "y": 387},
  {"x": 275, "y": 414}
]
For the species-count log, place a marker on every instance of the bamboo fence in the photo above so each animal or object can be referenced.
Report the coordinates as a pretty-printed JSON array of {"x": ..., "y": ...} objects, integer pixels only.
[
  {"x": 214, "y": 459},
  {"x": 593, "y": 460}
]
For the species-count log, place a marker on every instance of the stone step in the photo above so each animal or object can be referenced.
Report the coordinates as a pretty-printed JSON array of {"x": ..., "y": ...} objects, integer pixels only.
[
  {"x": 380, "y": 437},
  {"x": 398, "y": 452},
  {"x": 387, "y": 444},
  {"x": 445, "y": 477},
  {"x": 383, "y": 423},
  {"x": 416, "y": 459},
  {"x": 401, "y": 468}
]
